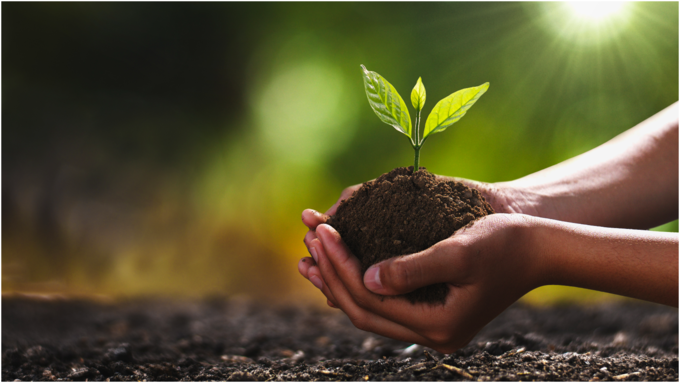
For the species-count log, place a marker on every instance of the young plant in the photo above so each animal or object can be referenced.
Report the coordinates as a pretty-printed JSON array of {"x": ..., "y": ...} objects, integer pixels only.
[{"x": 391, "y": 108}]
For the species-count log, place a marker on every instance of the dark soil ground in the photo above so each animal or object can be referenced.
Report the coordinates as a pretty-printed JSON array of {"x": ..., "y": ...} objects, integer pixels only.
[
  {"x": 402, "y": 212},
  {"x": 222, "y": 339}
]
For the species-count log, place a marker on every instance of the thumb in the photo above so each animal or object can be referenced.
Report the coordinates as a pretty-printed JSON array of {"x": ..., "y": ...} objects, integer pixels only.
[{"x": 401, "y": 275}]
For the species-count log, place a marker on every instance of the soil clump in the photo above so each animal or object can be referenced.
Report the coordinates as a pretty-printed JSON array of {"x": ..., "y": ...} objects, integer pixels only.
[{"x": 401, "y": 213}]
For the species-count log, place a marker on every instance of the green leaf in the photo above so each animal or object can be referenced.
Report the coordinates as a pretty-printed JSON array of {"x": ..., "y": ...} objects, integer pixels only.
[
  {"x": 386, "y": 102},
  {"x": 418, "y": 95},
  {"x": 452, "y": 108}
]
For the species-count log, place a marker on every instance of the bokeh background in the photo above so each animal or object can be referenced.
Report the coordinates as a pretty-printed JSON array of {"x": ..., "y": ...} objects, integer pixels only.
[{"x": 169, "y": 149}]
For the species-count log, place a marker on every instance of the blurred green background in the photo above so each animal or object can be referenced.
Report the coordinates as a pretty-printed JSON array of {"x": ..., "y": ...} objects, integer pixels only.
[{"x": 169, "y": 149}]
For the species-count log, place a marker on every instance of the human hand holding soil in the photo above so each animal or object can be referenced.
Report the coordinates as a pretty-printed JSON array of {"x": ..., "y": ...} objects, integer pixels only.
[
  {"x": 630, "y": 181},
  {"x": 487, "y": 267},
  {"x": 311, "y": 218},
  {"x": 481, "y": 284}
]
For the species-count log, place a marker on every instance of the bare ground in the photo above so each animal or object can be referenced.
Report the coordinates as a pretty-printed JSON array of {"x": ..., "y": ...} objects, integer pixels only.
[{"x": 222, "y": 339}]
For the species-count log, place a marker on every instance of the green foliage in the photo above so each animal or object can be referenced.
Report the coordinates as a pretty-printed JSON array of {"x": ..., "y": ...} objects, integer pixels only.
[
  {"x": 452, "y": 108},
  {"x": 391, "y": 109},
  {"x": 386, "y": 102},
  {"x": 418, "y": 95}
]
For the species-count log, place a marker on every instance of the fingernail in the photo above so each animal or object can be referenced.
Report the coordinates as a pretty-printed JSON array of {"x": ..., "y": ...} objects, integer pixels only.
[
  {"x": 316, "y": 281},
  {"x": 372, "y": 278},
  {"x": 313, "y": 252},
  {"x": 324, "y": 232}
]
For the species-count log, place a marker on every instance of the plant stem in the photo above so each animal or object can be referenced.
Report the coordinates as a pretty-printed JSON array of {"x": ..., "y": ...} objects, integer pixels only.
[
  {"x": 417, "y": 128},
  {"x": 416, "y": 164},
  {"x": 416, "y": 147}
]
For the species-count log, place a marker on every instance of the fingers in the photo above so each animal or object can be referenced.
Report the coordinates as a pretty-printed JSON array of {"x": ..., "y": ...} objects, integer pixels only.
[
  {"x": 309, "y": 237},
  {"x": 342, "y": 260},
  {"x": 307, "y": 266},
  {"x": 401, "y": 275},
  {"x": 343, "y": 196},
  {"x": 312, "y": 218},
  {"x": 304, "y": 265},
  {"x": 424, "y": 324},
  {"x": 347, "y": 272},
  {"x": 360, "y": 317},
  {"x": 317, "y": 280},
  {"x": 315, "y": 277},
  {"x": 395, "y": 276}
]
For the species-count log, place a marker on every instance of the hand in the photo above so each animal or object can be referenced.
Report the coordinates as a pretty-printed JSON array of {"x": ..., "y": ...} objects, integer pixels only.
[
  {"x": 500, "y": 196},
  {"x": 491, "y": 264},
  {"x": 486, "y": 266},
  {"x": 504, "y": 197},
  {"x": 312, "y": 219}
]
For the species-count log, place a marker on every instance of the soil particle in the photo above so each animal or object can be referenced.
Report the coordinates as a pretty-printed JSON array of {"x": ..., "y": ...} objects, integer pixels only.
[
  {"x": 43, "y": 340},
  {"x": 401, "y": 213}
]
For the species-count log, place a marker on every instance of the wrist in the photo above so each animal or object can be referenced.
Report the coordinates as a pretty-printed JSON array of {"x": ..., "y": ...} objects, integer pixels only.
[
  {"x": 541, "y": 239},
  {"x": 519, "y": 198},
  {"x": 526, "y": 233}
]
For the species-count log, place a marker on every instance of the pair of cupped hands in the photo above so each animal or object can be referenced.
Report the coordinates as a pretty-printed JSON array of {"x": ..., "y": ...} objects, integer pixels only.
[
  {"x": 485, "y": 266},
  {"x": 569, "y": 224}
]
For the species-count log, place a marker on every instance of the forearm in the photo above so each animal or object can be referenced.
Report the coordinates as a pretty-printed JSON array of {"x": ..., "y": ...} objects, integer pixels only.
[
  {"x": 634, "y": 263},
  {"x": 630, "y": 181}
]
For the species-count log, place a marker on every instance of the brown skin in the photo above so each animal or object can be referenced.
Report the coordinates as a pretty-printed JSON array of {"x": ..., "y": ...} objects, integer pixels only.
[{"x": 553, "y": 227}]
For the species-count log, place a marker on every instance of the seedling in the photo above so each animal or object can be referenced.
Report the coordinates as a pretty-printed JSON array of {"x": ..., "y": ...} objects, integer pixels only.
[{"x": 391, "y": 108}]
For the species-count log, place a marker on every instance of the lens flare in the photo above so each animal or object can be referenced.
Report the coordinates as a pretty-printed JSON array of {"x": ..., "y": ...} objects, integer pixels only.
[
  {"x": 587, "y": 23},
  {"x": 596, "y": 12}
]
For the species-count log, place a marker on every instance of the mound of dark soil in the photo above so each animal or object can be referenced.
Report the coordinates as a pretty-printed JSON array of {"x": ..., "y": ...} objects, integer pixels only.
[
  {"x": 401, "y": 213},
  {"x": 226, "y": 339}
]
